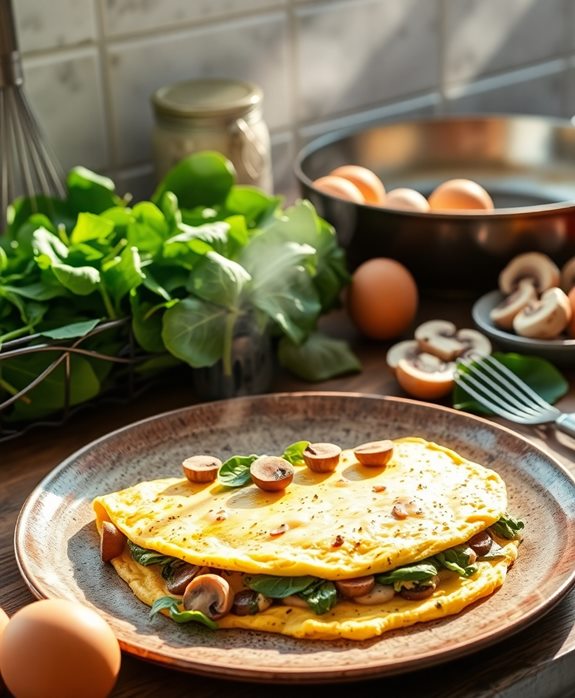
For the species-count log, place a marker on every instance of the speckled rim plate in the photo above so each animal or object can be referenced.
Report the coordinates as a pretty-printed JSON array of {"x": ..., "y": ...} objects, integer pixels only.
[
  {"x": 57, "y": 545},
  {"x": 559, "y": 351}
]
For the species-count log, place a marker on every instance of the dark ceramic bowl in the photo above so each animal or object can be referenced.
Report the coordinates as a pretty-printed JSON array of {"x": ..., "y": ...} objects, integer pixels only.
[{"x": 526, "y": 163}]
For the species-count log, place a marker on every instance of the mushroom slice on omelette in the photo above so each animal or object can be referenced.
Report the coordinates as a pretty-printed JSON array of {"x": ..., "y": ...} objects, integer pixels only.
[{"x": 349, "y": 553}]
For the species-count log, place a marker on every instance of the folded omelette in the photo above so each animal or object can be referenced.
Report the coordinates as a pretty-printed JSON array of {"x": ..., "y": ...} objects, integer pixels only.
[{"x": 350, "y": 553}]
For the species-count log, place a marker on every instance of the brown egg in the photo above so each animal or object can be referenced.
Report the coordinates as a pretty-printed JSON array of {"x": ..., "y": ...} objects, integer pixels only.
[
  {"x": 59, "y": 648},
  {"x": 340, "y": 187},
  {"x": 461, "y": 195},
  {"x": 382, "y": 298},
  {"x": 571, "y": 325},
  {"x": 3, "y": 623},
  {"x": 368, "y": 183},
  {"x": 407, "y": 200}
]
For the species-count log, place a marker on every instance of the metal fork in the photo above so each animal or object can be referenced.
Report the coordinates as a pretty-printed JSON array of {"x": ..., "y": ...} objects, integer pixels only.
[{"x": 494, "y": 386}]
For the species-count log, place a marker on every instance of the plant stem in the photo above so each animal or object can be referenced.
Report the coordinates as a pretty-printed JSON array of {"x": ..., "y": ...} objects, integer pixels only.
[
  {"x": 12, "y": 390},
  {"x": 15, "y": 334},
  {"x": 107, "y": 303},
  {"x": 228, "y": 343}
]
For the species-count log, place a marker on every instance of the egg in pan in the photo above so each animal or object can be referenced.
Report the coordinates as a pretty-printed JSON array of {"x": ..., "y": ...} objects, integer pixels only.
[{"x": 361, "y": 541}]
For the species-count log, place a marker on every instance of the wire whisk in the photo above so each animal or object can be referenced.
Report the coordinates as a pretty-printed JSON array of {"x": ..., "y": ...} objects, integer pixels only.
[{"x": 28, "y": 168}]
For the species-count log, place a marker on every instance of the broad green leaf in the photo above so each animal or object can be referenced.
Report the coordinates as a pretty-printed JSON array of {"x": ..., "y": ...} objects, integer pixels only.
[
  {"x": 194, "y": 330},
  {"x": 540, "y": 374},
  {"x": 418, "y": 572},
  {"x": 90, "y": 192},
  {"x": 23, "y": 208},
  {"x": 508, "y": 527},
  {"x": 457, "y": 559},
  {"x": 251, "y": 202},
  {"x": 201, "y": 179},
  {"x": 71, "y": 331},
  {"x": 219, "y": 280},
  {"x": 37, "y": 291},
  {"x": 48, "y": 249},
  {"x": 123, "y": 273},
  {"x": 91, "y": 227},
  {"x": 318, "y": 358},
  {"x": 278, "y": 587},
  {"x": 321, "y": 596},
  {"x": 80, "y": 280},
  {"x": 294, "y": 452},
  {"x": 147, "y": 325},
  {"x": 235, "y": 471}
]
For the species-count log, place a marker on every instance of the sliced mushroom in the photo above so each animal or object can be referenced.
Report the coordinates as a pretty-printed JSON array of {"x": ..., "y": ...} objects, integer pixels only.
[
  {"x": 407, "y": 349},
  {"x": 418, "y": 591},
  {"x": 438, "y": 337},
  {"x": 248, "y": 602},
  {"x": 379, "y": 594},
  {"x": 538, "y": 267},
  {"x": 480, "y": 543},
  {"x": 296, "y": 601},
  {"x": 182, "y": 576},
  {"x": 504, "y": 313},
  {"x": 546, "y": 318},
  {"x": 322, "y": 457},
  {"x": 272, "y": 473},
  {"x": 201, "y": 468},
  {"x": 210, "y": 594},
  {"x": 112, "y": 541},
  {"x": 374, "y": 453},
  {"x": 568, "y": 275},
  {"x": 426, "y": 377},
  {"x": 475, "y": 343},
  {"x": 358, "y": 586}
]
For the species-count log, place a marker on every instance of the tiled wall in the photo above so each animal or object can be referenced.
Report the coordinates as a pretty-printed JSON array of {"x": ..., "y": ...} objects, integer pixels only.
[{"x": 91, "y": 66}]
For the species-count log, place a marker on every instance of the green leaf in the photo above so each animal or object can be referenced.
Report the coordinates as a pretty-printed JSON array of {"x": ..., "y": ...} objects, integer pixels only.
[
  {"x": 193, "y": 616},
  {"x": 201, "y": 179},
  {"x": 162, "y": 603},
  {"x": 541, "y": 375},
  {"x": 194, "y": 330},
  {"x": 123, "y": 273},
  {"x": 235, "y": 471},
  {"x": 71, "y": 331},
  {"x": 321, "y": 596},
  {"x": 294, "y": 452},
  {"x": 508, "y": 527},
  {"x": 90, "y": 192},
  {"x": 47, "y": 248},
  {"x": 38, "y": 291},
  {"x": 457, "y": 559},
  {"x": 278, "y": 587},
  {"x": 252, "y": 203},
  {"x": 318, "y": 358},
  {"x": 146, "y": 324},
  {"x": 219, "y": 280},
  {"x": 91, "y": 227},
  {"x": 419, "y": 572},
  {"x": 146, "y": 557},
  {"x": 80, "y": 280}
]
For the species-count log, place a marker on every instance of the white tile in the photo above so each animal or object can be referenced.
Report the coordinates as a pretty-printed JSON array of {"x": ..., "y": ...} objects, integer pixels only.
[
  {"x": 65, "y": 93},
  {"x": 365, "y": 52},
  {"x": 487, "y": 36},
  {"x": 541, "y": 90},
  {"x": 253, "y": 50},
  {"x": 130, "y": 16},
  {"x": 44, "y": 25}
]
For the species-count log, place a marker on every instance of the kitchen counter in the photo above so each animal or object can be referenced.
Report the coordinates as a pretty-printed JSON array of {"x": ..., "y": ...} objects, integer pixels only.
[{"x": 537, "y": 662}]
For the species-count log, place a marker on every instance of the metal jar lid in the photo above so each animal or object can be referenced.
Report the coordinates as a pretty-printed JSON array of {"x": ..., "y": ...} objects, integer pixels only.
[{"x": 209, "y": 98}]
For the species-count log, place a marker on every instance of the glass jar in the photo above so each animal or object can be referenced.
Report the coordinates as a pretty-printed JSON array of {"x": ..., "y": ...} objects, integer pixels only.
[{"x": 221, "y": 115}]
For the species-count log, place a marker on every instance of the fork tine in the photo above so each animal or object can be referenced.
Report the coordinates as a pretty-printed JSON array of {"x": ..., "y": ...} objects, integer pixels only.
[
  {"x": 490, "y": 362},
  {"x": 502, "y": 408}
]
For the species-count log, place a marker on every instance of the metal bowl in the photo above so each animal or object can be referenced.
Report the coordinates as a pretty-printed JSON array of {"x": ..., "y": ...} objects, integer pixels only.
[{"x": 526, "y": 163}]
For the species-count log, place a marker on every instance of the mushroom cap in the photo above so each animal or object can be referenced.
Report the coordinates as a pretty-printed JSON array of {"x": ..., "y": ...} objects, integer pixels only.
[
  {"x": 272, "y": 473},
  {"x": 568, "y": 275},
  {"x": 426, "y": 378},
  {"x": 538, "y": 267},
  {"x": 406, "y": 349},
  {"x": 503, "y": 314},
  {"x": 439, "y": 337},
  {"x": 545, "y": 318},
  {"x": 210, "y": 594}
]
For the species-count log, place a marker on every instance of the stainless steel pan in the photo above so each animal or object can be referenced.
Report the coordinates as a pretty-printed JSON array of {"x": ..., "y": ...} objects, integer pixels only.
[{"x": 526, "y": 163}]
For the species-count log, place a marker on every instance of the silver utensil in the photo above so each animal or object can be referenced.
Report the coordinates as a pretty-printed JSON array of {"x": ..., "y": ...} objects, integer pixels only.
[
  {"x": 27, "y": 166},
  {"x": 496, "y": 387}
]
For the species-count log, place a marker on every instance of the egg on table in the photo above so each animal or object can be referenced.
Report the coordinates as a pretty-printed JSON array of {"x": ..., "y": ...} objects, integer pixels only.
[
  {"x": 382, "y": 298},
  {"x": 340, "y": 187},
  {"x": 461, "y": 195},
  {"x": 56, "y": 647}
]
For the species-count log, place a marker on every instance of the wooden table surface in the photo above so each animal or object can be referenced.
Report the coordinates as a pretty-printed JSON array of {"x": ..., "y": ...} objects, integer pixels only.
[{"x": 538, "y": 662}]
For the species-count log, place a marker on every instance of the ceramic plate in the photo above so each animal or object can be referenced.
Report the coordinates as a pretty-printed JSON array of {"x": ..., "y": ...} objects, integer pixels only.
[
  {"x": 559, "y": 351},
  {"x": 57, "y": 544}
]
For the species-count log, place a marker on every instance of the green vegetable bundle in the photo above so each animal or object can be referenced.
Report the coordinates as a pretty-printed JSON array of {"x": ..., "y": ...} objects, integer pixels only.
[{"x": 184, "y": 268}]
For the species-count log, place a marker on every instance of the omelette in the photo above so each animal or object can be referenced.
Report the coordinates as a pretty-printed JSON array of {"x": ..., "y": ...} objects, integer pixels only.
[{"x": 348, "y": 549}]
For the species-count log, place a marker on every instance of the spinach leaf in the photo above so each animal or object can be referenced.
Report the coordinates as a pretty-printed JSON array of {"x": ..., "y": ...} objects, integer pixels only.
[
  {"x": 419, "y": 572},
  {"x": 219, "y": 280},
  {"x": 318, "y": 358},
  {"x": 278, "y": 587},
  {"x": 90, "y": 192},
  {"x": 294, "y": 452},
  {"x": 457, "y": 559},
  {"x": 172, "y": 605},
  {"x": 507, "y": 527},
  {"x": 146, "y": 557},
  {"x": 321, "y": 596},
  {"x": 235, "y": 471},
  {"x": 71, "y": 331}
]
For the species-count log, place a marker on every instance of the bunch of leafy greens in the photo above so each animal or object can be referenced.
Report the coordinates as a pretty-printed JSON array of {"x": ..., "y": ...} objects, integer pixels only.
[{"x": 184, "y": 267}]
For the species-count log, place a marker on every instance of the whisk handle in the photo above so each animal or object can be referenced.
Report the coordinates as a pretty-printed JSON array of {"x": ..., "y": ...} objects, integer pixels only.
[
  {"x": 566, "y": 422},
  {"x": 10, "y": 64}
]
